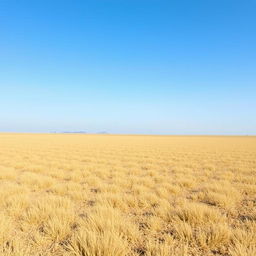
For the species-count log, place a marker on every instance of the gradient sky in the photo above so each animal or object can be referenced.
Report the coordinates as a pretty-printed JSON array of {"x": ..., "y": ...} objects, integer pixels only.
[{"x": 128, "y": 66}]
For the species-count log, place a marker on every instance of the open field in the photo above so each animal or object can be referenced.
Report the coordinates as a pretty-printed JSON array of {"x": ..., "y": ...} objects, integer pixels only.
[{"x": 95, "y": 195}]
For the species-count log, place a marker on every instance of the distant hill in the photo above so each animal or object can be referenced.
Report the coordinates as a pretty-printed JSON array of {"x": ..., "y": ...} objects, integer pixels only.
[
  {"x": 82, "y": 132},
  {"x": 103, "y": 132},
  {"x": 73, "y": 132}
]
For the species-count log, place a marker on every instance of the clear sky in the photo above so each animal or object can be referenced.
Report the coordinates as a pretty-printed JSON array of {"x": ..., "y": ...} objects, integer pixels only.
[{"x": 128, "y": 66}]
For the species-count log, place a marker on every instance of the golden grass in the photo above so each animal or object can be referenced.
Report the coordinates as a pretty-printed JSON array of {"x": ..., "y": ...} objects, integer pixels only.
[{"x": 110, "y": 195}]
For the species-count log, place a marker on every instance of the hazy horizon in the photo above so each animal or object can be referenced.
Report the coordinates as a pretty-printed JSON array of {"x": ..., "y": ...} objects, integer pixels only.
[{"x": 134, "y": 134}]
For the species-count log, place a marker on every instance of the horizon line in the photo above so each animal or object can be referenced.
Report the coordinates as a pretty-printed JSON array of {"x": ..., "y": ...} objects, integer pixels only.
[{"x": 131, "y": 134}]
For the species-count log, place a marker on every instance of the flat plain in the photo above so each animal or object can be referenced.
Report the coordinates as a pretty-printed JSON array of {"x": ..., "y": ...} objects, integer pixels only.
[{"x": 118, "y": 195}]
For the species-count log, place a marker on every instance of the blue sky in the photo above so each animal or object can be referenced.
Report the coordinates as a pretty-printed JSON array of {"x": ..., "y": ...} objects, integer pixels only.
[{"x": 134, "y": 66}]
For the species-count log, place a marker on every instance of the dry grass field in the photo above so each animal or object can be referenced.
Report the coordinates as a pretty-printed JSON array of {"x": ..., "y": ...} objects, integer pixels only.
[{"x": 110, "y": 195}]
